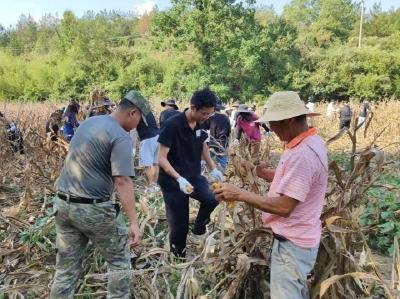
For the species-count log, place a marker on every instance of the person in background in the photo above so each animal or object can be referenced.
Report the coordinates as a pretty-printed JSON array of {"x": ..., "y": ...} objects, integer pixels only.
[
  {"x": 220, "y": 129},
  {"x": 182, "y": 147},
  {"x": 133, "y": 135},
  {"x": 331, "y": 110},
  {"x": 95, "y": 166},
  {"x": 233, "y": 113},
  {"x": 292, "y": 208},
  {"x": 171, "y": 109},
  {"x": 265, "y": 107},
  {"x": 365, "y": 109},
  {"x": 54, "y": 124},
  {"x": 147, "y": 131},
  {"x": 247, "y": 124},
  {"x": 310, "y": 105},
  {"x": 70, "y": 120},
  {"x": 99, "y": 104},
  {"x": 345, "y": 115},
  {"x": 13, "y": 134}
]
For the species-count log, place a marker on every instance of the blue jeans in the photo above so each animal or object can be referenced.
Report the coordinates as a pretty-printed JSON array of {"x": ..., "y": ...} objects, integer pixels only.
[
  {"x": 221, "y": 160},
  {"x": 177, "y": 207},
  {"x": 290, "y": 265}
]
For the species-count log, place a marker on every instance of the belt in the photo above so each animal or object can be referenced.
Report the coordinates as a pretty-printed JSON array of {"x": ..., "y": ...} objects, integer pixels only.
[
  {"x": 76, "y": 199},
  {"x": 280, "y": 238}
]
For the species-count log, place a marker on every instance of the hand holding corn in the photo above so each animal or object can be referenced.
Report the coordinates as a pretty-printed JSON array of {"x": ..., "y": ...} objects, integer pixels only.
[{"x": 226, "y": 192}]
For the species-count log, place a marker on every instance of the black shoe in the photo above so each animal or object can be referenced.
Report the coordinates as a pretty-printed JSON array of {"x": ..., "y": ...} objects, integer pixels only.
[{"x": 199, "y": 230}]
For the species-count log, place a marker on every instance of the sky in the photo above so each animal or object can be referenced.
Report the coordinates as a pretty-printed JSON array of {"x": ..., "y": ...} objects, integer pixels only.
[{"x": 11, "y": 10}]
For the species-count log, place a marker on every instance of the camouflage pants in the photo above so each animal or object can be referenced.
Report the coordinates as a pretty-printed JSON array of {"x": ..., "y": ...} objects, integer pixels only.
[{"x": 76, "y": 224}]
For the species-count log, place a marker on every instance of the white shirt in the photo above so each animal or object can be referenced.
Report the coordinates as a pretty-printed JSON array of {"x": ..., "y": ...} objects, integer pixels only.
[
  {"x": 330, "y": 109},
  {"x": 311, "y": 106}
]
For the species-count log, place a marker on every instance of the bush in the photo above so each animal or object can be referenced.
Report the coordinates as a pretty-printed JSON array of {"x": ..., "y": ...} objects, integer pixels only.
[{"x": 382, "y": 216}]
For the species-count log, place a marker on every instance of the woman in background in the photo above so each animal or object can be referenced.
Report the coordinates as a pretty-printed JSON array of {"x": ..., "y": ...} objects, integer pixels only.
[
  {"x": 246, "y": 123},
  {"x": 70, "y": 120}
]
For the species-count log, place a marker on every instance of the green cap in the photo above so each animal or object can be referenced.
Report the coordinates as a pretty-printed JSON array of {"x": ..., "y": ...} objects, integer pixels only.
[{"x": 137, "y": 99}]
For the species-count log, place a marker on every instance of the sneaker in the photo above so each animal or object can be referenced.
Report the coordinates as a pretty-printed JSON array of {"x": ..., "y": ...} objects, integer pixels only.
[
  {"x": 199, "y": 230},
  {"x": 196, "y": 239}
]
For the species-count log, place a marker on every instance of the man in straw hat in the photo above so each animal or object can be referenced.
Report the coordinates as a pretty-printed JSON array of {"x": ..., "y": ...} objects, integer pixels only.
[
  {"x": 293, "y": 205},
  {"x": 96, "y": 164}
]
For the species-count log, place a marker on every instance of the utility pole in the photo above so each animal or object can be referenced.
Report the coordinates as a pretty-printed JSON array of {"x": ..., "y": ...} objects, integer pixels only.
[{"x": 361, "y": 23}]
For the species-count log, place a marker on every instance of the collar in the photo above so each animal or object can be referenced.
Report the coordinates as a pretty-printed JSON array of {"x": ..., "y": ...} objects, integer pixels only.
[
  {"x": 186, "y": 122},
  {"x": 299, "y": 138}
]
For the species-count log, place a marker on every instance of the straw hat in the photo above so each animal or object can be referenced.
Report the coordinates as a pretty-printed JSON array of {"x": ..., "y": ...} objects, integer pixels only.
[
  {"x": 284, "y": 105},
  {"x": 236, "y": 104}
]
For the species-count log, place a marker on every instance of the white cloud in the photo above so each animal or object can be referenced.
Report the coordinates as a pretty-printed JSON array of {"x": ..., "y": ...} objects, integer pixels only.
[{"x": 144, "y": 7}]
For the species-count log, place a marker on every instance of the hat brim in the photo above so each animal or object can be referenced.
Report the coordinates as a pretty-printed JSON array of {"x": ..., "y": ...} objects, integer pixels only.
[
  {"x": 278, "y": 116},
  {"x": 163, "y": 104},
  {"x": 244, "y": 111}
]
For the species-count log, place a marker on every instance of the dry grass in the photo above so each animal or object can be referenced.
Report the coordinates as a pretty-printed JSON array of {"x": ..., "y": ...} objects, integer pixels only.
[{"x": 232, "y": 262}]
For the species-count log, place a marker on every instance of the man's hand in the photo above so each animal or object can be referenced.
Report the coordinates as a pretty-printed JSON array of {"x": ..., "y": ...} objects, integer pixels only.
[
  {"x": 184, "y": 185},
  {"x": 264, "y": 172},
  {"x": 227, "y": 192},
  {"x": 217, "y": 175},
  {"x": 134, "y": 234},
  {"x": 260, "y": 168}
]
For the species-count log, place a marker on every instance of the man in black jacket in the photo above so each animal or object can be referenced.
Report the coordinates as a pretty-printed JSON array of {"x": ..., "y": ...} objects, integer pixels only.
[
  {"x": 220, "y": 130},
  {"x": 171, "y": 109},
  {"x": 345, "y": 115},
  {"x": 147, "y": 131}
]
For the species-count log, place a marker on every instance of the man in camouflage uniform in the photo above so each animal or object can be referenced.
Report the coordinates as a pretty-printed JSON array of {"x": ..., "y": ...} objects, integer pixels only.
[{"x": 97, "y": 161}]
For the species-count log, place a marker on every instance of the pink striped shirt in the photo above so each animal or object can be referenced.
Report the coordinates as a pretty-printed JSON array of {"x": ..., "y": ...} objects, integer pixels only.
[{"x": 302, "y": 174}]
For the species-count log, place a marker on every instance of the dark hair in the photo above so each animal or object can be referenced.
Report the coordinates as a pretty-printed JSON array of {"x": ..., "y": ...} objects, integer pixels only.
[
  {"x": 204, "y": 98},
  {"x": 126, "y": 105},
  {"x": 245, "y": 116},
  {"x": 301, "y": 118}
]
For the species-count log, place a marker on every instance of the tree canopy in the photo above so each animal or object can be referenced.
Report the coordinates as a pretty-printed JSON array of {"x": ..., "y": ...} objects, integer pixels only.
[{"x": 240, "y": 50}]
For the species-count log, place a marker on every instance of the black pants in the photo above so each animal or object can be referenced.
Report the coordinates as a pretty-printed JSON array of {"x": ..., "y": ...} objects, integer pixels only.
[
  {"x": 177, "y": 206},
  {"x": 344, "y": 124}
]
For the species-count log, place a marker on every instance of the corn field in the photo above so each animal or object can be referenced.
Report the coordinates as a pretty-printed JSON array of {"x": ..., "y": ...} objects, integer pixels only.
[{"x": 233, "y": 259}]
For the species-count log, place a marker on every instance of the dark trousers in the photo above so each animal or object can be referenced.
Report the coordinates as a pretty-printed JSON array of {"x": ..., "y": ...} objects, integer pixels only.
[
  {"x": 344, "y": 123},
  {"x": 177, "y": 207}
]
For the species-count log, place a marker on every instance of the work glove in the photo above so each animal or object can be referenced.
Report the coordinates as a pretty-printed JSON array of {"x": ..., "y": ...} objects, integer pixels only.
[
  {"x": 184, "y": 185},
  {"x": 217, "y": 175}
]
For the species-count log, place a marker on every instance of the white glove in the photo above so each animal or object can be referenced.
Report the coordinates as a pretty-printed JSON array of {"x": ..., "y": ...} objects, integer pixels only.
[
  {"x": 236, "y": 142},
  {"x": 266, "y": 134},
  {"x": 217, "y": 175},
  {"x": 184, "y": 185}
]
